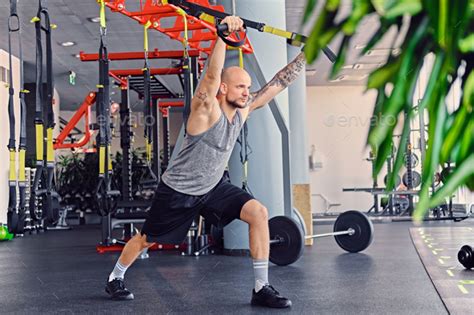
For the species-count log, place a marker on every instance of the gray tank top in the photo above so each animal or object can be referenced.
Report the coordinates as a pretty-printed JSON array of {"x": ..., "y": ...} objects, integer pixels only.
[{"x": 202, "y": 160}]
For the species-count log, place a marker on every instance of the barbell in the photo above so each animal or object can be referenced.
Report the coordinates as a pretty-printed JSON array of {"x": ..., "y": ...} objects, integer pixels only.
[{"x": 353, "y": 232}]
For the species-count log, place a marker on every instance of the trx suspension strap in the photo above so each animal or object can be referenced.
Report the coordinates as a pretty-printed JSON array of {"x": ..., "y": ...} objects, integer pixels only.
[
  {"x": 105, "y": 198},
  {"x": 16, "y": 217},
  {"x": 245, "y": 149},
  {"x": 211, "y": 15},
  {"x": 152, "y": 178},
  {"x": 187, "y": 75},
  {"x": 43, "y": 177}
]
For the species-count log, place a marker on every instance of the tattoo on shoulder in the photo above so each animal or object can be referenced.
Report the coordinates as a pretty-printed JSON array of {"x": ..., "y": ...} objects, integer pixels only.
[
  {"x": 201, "y": 95},
  {"x": 289, "y": 73}
]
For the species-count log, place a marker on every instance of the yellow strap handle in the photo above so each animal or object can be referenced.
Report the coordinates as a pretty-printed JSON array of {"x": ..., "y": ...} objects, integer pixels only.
[
  {"x": 241, "y": 58},
  {"x": 39, "y": 142},
  {"x": 101, "y": 160},
  {"x": 103, "y": 23},
  {"x": 109, "y": 166},
  {"x": 185, "y": 36},
  {"x": 207, "y": 18},
  {"x": 12, "y": 173},
  {"x": 49, "y": 145},
  {"x": 21, "y": 174},
  {"x": 148, "y": 151},
  {"x": 37, "y": 19},
  {"x": 145, "y": 36},
  {"x": 277, "y": 31}
]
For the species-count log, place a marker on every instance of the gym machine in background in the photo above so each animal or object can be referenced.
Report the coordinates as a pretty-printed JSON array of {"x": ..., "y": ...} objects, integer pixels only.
[{"x": 399, "y": 200}]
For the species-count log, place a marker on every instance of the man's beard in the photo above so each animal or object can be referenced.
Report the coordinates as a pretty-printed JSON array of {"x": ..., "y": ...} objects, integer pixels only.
[{"x": 235, "y": 104}]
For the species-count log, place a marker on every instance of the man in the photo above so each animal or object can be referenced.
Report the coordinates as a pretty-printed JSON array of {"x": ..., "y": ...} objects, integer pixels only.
[{"x": 194, "y": 183}]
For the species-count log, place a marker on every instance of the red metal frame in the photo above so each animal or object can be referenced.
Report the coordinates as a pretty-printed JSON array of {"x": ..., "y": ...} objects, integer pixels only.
[
  {"x": 84, "y": 110},
  {"x": 199, "y": 31},
  {"x": 101, "y": 249},
  {"x": 167, "y": 104},
  {"x": 132, "y": 55},
  {"x": 138, "y": 72}
]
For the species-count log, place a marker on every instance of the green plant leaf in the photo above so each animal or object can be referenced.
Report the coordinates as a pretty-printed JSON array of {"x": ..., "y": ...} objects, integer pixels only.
[
  {"x": 383, "y": 75},
  {"x": 310, "y": 5},
  {"x": 383, "y": 152},
  {"x": 466, "y": 44},
  {"x": 327, "y": 36},
  {"x": 467, "y": 142},
  {"x": 359, "y": 9},
  {"x": 401, "y": 7},
  {"x": 397, "y": 98},
  {"x": 381, "y": 6},
  {"x": 385, "y": 25},
  {"x": 341, "y": 56},
  {"x": 400, "y": 157},
  {"x": 452, "y": 135},
  {"x": 312, "y": 47},
  {"x": 442, "y": 22},
  {"x": 332, "y": 5},
  {"x": 430, "y": 91}
]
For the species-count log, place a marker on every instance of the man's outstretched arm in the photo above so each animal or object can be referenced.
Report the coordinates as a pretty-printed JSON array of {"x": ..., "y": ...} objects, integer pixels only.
[
  {"x": 280, "y": 81},
  {"x": 209, "y": 85}
]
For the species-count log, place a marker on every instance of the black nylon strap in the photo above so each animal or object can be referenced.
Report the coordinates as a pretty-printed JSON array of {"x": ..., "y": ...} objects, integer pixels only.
[
  {"x": 146, "y": 103},
  {"x": 187, "y": 89},
  {"x": 196, "y": 10}
]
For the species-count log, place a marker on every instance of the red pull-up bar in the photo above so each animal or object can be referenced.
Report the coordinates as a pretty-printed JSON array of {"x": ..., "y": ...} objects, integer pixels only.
[{"x": 131, "y": 55}]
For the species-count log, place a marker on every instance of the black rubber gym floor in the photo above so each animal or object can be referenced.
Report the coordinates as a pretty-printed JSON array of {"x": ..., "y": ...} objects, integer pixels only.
[
  {"x": 60, "y": 272},
  {"x": 438, "y": 248}
]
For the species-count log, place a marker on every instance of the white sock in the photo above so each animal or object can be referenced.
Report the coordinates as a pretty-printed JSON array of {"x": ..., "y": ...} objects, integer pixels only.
[
  {"x": 118, "y": 272},
  {"x": 260, "y": 270}
]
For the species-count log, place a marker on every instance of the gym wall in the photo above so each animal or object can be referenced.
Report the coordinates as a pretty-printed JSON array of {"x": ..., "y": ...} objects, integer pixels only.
[
  {"x": 5, "y": 128},
  {"x": 338, "y": 120}
]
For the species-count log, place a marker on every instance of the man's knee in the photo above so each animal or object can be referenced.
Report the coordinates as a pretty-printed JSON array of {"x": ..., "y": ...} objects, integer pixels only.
[
  {"x": 253, "y": 212},
  {"x": 141, "y": 240}
]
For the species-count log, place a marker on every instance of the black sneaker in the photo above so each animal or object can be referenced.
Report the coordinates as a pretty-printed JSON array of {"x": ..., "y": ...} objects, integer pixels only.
[
  {"x": 117, "y": 291},
  {"x": 269, "y": 297}
]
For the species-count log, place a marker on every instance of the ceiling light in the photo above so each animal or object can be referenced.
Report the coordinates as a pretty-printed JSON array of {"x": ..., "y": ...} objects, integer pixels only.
[
  {"x": 94, "y": 19},
  {"x": 363, "y": 66},
  {"x": 348, "y": 77},
  {"x": 383, "y": 52},
  {"x": 67, "y": 44}
]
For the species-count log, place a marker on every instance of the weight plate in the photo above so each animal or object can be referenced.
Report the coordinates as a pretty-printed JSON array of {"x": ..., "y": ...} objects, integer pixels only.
[
  {"x": 466, "y": 257},
  {"x": 295, "y": 214},
  {"x": 362, "y": 226},
  {"x": 397, "y": 180},
  {"x": 291, "y": 246},
  {"x": 412, "y": 159},
  {"x": 415, "y": 179}
]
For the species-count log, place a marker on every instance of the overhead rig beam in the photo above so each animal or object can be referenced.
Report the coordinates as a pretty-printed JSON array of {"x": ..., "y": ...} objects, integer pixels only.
[
  {"x": 202, "y": 35},
  {"x": 140, "y": 55},
  {"x": 138, "y": 72}
]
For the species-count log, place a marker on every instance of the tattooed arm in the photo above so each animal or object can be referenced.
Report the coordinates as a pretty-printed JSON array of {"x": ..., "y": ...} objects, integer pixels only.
[{"x": 280, "y": 81}]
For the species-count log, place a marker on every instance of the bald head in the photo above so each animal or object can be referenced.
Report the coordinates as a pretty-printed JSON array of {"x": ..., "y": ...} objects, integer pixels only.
[
  {"x": 234, "y": 74},
  {"x": 235, "y": 85}
]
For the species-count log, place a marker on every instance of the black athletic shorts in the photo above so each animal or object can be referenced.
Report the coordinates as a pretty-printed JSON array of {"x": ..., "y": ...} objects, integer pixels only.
[{"x": 171, "y": 213}]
